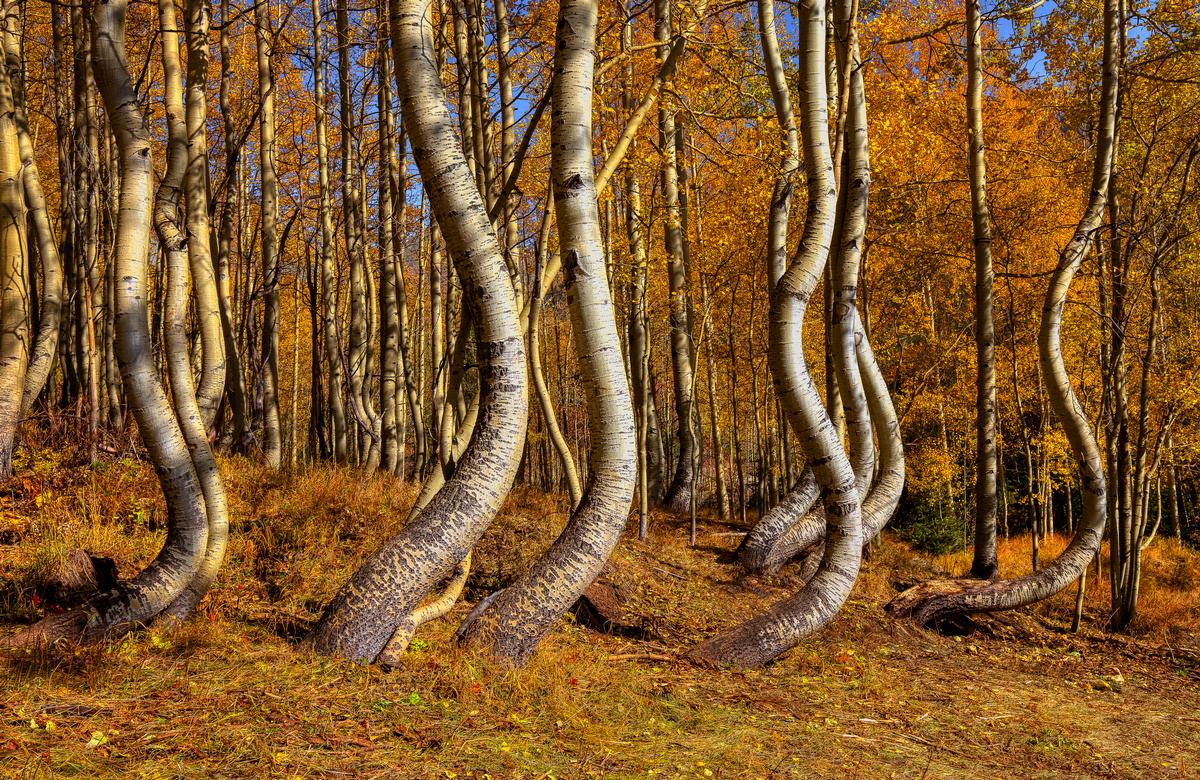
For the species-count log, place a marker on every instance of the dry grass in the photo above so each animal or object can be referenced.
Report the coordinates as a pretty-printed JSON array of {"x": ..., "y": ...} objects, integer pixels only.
[
  {"x": 1169, "y": 600},
  {"x": 230, "y": 695}
]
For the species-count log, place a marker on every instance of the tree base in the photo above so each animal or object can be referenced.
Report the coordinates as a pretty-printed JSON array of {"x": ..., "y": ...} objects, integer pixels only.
[{"x": 913, "y": 602}]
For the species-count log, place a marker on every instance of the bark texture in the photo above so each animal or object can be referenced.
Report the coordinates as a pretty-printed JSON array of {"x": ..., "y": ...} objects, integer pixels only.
[
  {"x": 145, "y": 596},
  {"x": 1048, "y": 580},
  {"x": 14, "y": 295},
  {"x": 45, "y": 344},
  {"x": 272, "y": 436},
  {"x": 517, "y": 619},
  {"x": 983, "y": 564},
  {"x": 176, "y": 244},
  {"x": 788, "y": 622},
  {"x": 369, "y": 609}
]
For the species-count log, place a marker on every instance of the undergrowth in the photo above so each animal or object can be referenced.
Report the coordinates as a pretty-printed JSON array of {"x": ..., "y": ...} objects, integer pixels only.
[{"x": 234, "y": 694}]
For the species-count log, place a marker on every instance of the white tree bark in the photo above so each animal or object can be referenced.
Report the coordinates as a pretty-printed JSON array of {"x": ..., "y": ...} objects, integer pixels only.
[
  {"x": 14, "y": 296},
  {"x": 45, "y": 345},
  {"x": 176, "y": 244},
  {"x": 143, "y": 598},
  {"x": 383, "y": 593},
  {"x": 929, "y": 602},
  {"x": 786, "y": 623},
  {"x": 511, "y": 626}
]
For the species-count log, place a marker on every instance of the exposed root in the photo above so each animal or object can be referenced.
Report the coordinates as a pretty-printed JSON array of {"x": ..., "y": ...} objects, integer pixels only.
[
  {"x": 915, "y": 602},
  {"x": 55, "y": 630},
  {"x": 431, "y": 610}
]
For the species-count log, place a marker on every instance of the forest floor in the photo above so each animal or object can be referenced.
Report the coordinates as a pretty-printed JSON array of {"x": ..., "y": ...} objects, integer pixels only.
[{"x": 232, "y": 694}]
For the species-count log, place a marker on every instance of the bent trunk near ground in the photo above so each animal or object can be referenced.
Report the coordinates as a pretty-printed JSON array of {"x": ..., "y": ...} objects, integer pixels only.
[
  {"x": 145, "y": 596},
  {"x": 785, "y": 624},
  {"x": 511, "y": 626},
  {"x": 177, "y": 244},
  {"x": 926, "y": 607},
  {"x": 382, "y": 594},
  {"x": 867, "y": 403}
]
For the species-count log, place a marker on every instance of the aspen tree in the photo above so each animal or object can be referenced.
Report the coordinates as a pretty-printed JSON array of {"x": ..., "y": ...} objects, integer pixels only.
[
  {"x": 235, "y": 382},
  {"x": 512, "y": 622},
  {"x": 325, "y": 212},
  {"x": 983, "y": 565},
  {"x": 143, "y": 598},
  {"x": 195, "y": 190},
  {"x": 44, "y": 349},
  {"x": 789, "y": 621},
  {"x": 175, "y": 244},
  {"x": 387, "y": 590},
  {"x": 678, "y": 495},
  {"x": 272, "y": 438},
  {"x": 938, "y": 600},
  {"x": 14, "y": 295}
]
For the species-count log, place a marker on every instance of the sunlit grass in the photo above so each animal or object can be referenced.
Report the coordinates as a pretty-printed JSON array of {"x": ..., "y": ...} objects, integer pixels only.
[{"x": 232, "y": 694}]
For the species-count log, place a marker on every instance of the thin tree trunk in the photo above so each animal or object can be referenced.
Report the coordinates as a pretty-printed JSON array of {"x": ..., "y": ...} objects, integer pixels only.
[
  {"x": 408, "y": 389},
  {"x": 713, "y": 416},
  {"x": 678, "y": 496},
  {"x": 328, "y": 291},
  {"x": 207, "y": 308},
  {"x": 272, "y": 441},
  {"x": 389, "y": 316},
  {"x": 532, "y": 325},
  {"x": 45, "y": 346},
  {"x": 735, "y": 391},
  {"x": 235, "y": 382},
  {"x": 983, "y": 565},
  {"x": 650, "y": 478}
]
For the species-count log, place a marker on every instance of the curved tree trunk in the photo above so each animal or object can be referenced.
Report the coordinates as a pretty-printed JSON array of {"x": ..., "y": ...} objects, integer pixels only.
[
  {"x": 511, "y": 626},
  {"x": 773, "y": 523},
  {"x": 884, "y": 495},
  {"x": 849, "y": 236},
  {"x": 176, "y": 244},
  {"x": 45, "y": 345},
  {"x": 864, "y": 393},
  {"x": 924, "y": 602},
  {"x": 532, "y": 327},
  {"x": 145, "y": 596},
  {"x": 382, "y": 594},
  {"x": 788, "y": 622},
  {"x": 777, "y": 524},
  {"x": 14, "y": 297}
]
